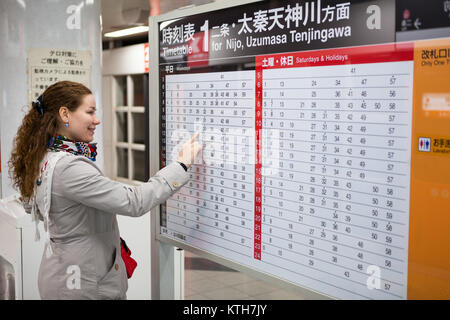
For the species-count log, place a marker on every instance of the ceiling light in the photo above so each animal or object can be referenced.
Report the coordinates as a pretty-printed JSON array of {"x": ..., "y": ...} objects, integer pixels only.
[{"x": 126, "y": 32}]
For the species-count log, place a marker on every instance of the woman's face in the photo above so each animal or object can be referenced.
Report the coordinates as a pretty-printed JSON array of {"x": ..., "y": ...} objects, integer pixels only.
[{"x": 83, "y": 121}]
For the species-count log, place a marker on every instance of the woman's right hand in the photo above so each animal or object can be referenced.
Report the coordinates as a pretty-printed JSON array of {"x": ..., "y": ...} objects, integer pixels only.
[{"x": 190, "y": 151}]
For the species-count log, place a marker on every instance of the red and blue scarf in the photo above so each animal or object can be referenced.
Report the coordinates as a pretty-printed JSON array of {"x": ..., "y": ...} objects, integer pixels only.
[{"x": 61, "y": 143}]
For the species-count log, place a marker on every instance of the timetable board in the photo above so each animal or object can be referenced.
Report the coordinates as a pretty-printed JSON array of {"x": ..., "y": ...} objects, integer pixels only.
[{"x": 306, "y": 169}]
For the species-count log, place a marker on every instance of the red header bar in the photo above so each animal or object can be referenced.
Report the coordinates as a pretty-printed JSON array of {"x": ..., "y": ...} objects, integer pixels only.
[{"x": 329, "y": 57}]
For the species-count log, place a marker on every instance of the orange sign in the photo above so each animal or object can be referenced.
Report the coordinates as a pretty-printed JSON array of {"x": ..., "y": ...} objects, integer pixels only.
[{"x": 429, "y": 234}]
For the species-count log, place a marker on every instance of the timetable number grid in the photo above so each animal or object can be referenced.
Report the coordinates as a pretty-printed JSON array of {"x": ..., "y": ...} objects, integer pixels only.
[
  {"x": 215, "y": 208},
  {"x": 335, "y": 192},
  {"x": 306, "y": 167}
]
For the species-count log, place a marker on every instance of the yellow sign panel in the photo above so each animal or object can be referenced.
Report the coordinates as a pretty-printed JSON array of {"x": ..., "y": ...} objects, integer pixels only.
[{"x": 429, "y": 234}]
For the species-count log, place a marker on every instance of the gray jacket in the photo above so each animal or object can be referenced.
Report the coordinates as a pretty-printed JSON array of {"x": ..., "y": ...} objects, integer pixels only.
[{"x": 86, "y": 260}]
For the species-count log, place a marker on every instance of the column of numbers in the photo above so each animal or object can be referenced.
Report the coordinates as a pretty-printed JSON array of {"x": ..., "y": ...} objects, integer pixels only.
[
  {"x": 336, "y": 197},
  {"x": 216, "y": 204}
]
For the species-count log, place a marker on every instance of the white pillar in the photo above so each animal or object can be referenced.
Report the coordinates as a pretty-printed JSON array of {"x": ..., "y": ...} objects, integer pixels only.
[
  {"x": 24, "y": 24},
  {"x": 171, "y": 272}
]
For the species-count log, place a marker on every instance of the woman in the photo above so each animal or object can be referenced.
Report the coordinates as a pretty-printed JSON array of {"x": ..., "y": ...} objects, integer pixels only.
[{"x": 53, "y": 167}]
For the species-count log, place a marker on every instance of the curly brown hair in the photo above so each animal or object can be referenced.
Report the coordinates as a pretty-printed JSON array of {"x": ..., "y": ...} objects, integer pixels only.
[{"x": 30, "y": 143}]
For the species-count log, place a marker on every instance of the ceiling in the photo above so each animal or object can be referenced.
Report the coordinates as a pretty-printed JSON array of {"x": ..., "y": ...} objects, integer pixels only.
[{"x": 121, "y": 14}]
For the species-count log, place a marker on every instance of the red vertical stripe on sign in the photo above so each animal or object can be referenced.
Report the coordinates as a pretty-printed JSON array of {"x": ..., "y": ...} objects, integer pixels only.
[
  {"x": 258, "y": 161},
  {"x": 146, "y": 58}
]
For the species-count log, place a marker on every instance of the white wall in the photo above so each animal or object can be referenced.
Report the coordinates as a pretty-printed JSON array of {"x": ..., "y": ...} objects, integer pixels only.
[
  {"x": 41, "y": 24},
  {"x": 125, "y": 60}
]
